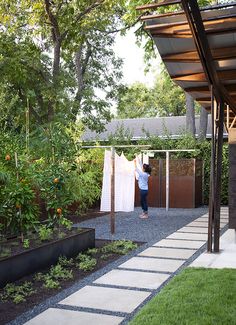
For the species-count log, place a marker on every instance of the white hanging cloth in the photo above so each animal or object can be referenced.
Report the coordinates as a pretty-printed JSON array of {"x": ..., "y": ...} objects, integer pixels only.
[
  {"x": 145, "y": 159},
  {"x": 124, "y": 184}
]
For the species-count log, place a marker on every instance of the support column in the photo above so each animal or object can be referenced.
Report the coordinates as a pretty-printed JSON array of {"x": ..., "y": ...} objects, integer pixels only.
[
  {"x": 219, "y": 150},
  {"x": 112, "y": 190}
]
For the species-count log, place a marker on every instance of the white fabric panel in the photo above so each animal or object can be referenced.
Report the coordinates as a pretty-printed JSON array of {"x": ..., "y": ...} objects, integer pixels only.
[
  {"x": 145, "y": 159},
  {"x": 124, "y": 184}
]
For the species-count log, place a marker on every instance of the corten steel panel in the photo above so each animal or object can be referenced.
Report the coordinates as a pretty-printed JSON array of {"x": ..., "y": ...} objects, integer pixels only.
[
  {"x": 181, "y": 192},
  {"x": 185, "y": 186},
  {"x": 198, "y": 183},
  {"x": 232, "y": 186}
]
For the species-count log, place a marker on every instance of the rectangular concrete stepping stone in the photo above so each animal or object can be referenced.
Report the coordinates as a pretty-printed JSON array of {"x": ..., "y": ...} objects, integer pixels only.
[
  {"x": 222, "y": 218},
  {"x": 112, "y": 299},
  {"x": 203, "y": 224},
  {"x": 184, "y": 235},
  {"x": 152, "y": 264},
  {"x": 167, "y": 252},
  {"x": 134, "y": 279},
  {"x": 179, "y": 243},
  {"x": 56, "y": 316},
  {"x": 197, "y": 230}
]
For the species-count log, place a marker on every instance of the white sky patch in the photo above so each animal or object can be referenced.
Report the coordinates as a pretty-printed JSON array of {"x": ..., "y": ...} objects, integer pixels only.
[{"x": 133, "y": 56}]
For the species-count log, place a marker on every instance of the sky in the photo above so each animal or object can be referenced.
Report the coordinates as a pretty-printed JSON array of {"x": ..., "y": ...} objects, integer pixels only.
[{"x": 134, "y": 65}]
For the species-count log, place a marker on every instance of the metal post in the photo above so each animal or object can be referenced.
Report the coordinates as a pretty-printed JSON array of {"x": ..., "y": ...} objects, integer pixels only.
[
  {"x": 219, "y": 149},
  {"x": 167, "y": 179},
  {"x": 112, "y": 190},
  {"x": 212, "y": 175}
]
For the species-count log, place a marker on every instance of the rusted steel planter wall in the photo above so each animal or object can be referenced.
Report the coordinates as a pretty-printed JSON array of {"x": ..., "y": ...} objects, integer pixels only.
[
  {"x": 186, "y": 184},
  {"x": 15, "y": 267}
]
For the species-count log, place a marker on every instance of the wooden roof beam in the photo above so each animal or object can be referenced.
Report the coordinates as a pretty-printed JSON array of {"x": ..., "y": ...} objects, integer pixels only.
[
  {"x": 175, "y": 13},
  {"x": 184, "y": 26},
  {"x": 159, "y": 4},
  {"x": 201, "y": 77},
  {"x": 218, "y": 54},
  {"x": 205, "y": 89}
]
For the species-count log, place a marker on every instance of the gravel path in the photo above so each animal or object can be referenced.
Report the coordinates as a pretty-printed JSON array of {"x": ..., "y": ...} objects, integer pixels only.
[{"x": 159, "y": 225}]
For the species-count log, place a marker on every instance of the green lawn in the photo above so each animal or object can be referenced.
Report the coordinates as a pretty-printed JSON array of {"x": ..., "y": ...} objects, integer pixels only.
[{"x": 196, "y": 296}]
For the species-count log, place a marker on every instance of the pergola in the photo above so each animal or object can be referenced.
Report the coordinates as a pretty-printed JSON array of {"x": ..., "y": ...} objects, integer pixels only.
[{"x": 198, "y": 48}]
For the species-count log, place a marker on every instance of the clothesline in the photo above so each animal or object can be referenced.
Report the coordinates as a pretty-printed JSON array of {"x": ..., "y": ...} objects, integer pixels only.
[{"x": 112, "y": 180}]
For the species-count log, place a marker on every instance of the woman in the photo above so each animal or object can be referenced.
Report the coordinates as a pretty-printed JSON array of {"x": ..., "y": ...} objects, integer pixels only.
[{"x": 143, "y": 175}]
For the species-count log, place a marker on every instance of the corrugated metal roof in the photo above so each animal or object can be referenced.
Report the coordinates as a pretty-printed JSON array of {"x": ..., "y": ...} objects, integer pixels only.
[{"x": 138, "y": 128}]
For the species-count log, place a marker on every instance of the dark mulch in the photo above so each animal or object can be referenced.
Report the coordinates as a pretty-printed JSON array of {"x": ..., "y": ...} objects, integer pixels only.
[{"x": 10, "y": 310}]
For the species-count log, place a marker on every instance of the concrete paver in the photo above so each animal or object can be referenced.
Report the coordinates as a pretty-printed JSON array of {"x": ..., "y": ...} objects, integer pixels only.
[
  {"x": 56, "y": 316},
  {"x": 140, "y": 272},
  {"x": 112, "y": 299},
  {"x": 152, "y": 264},
  {"x": 225, "y": 258},
  {"x": 134, "y": 279},
  {"x": 182, "y": 235},
  {"x": 167, "y": 252},
  {"x": 203, "y": 224},
  {"x": 179, "y": 243},
  {"x": 197, "y": 230}
]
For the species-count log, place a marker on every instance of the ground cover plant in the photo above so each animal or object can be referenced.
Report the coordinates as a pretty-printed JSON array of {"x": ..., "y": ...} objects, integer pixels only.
[
  {"x": 16, "y": 298},
  {"x": 196, "y": 296}
]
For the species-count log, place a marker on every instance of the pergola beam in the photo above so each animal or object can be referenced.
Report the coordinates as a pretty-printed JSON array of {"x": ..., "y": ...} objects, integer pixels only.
[
  {"x": 223, "y": 75},
  {"x": 211, "y": 25},
  {"x": 192, "y": 56},
  {"x": 205, "y": 89}
]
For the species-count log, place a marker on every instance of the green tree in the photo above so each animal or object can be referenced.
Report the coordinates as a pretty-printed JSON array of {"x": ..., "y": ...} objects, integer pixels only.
[
  {"x": 65, "y": 58},
  {"x": 136, "y": 101}
]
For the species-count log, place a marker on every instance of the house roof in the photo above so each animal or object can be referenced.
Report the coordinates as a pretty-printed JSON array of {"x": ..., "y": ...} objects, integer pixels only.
[{"x": 138, "y": 128}]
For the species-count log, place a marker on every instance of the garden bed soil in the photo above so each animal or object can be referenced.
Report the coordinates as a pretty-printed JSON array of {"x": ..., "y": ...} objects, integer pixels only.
[
  {"x": 10, "y": 310},
  {"x": 90, "y": 214}
]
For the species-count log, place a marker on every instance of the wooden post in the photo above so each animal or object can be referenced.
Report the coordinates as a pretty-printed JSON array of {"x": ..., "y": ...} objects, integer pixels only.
[
  {"x": 167, "y": 179},
  {"x": 112, "y": 190}
]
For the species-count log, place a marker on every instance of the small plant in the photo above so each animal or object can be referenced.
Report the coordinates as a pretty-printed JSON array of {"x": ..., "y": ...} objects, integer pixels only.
[
  {"x": 26, "y": 243},
  {"x": 50, "y": 283},
  {"x": 39, "y": 276},
  {"x": 5, "y": 252},
  {"x": 92, "y": 251},
  {"x": 17, "y": 293},
  {"x": 105, "y": 256},
  {"x": 120, "y": 247},
  {"x": 61, "y": 235},
  {"x": 59, "y": 273},
  {"x": 45, "y": 233},
  {"x": 65, "y": 262},
  {"x": 86, "y": 262},
  {"x": 56, "y": 273}
]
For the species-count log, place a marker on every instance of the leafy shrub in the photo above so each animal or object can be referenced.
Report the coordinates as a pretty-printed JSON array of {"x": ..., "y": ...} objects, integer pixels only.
[
  {"x": 17, "y": 293},
  {"x": 121, "y": 247},
  {"x": 26, "y": 243},
  {"x": 85, "y": 262},
  {"x": 45, "y": 233}
]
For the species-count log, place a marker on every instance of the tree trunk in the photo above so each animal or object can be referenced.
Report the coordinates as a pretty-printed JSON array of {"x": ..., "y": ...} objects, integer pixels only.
[
  {"x": 203, "y": 124},
  {"x": 79, "y": 73},
  {"x": 190, "y": 115}
]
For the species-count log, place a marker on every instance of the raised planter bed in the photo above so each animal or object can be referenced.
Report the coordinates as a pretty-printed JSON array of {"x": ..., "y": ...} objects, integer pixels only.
[{"x": 15, "y": 267}]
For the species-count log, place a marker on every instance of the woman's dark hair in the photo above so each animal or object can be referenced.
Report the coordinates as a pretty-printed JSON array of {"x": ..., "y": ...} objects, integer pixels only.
[{"x": 147, "y": 168}]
